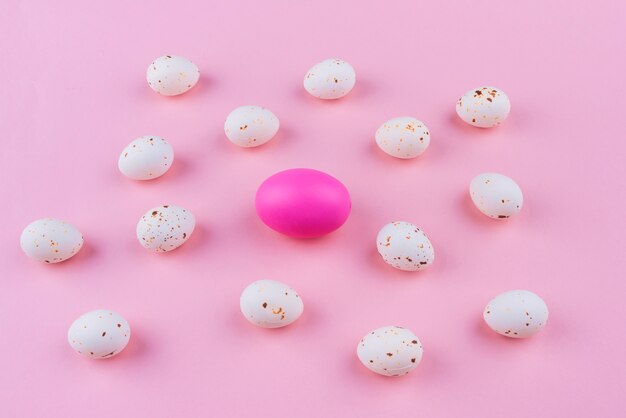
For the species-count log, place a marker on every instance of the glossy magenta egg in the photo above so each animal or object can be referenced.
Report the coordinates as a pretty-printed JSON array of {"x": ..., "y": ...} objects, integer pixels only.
[{"x": 303, "y": 203}]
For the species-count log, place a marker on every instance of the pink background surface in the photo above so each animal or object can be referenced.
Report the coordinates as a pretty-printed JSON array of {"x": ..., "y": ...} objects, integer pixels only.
[{"x": 74, "y": 94}]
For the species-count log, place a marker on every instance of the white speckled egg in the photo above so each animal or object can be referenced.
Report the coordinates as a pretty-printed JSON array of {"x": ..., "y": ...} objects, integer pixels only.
[
  {"x": 99, "y": 334},
  {"x": 330, "y": 79},
  {"x": 495, "y": 195},
  {"x": 484, "y": 107},
  {"x": 165, "y": 228},
  {"x": 170, "y": 75},
  {"x": 390, "y": 351},
  {"x": 516, "y": 314},
  {"x": 147, "y": 157},
  {"x": 270, "y": 304},
  {"x": 404, "y": 246},
  {"x": 403, "y": 137},
  {"x": 51, "y": 240},
  {"x": 250, "y": 126}
]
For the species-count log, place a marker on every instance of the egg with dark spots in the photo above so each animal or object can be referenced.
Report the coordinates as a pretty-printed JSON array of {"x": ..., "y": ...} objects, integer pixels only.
[
  {"x": 99, "y": 334},
  {"x": 390, "y": 351},
  {"x": 171, "y": 75},
  {"x": 51, "y": 240},
  {"x": 165, "y": 228},
  {"x": 270, "y": 304},
  {"x": 146, "y": 158},
  {"x": 330, "y": 79},
  {"x": 404, "y": 137},
  {"x": 484, "y": 107},
  {"x": 496, "y": 195},
  {"x": 404, "y": 246},
  {"x": 516, "y": 314},
  {"x": 250, "y": 126}
]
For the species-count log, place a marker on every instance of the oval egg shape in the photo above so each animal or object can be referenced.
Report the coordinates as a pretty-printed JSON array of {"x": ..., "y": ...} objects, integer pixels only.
[
  {"x": 390, "y": 351},
  {"x": 404, "y": 246},
  {"x": 270, "y": 304},
  {"x": 171, "y": 75},
  {"x": 484, "y": 107},
  {"x": 99, "y": 334},
  {"x": 496, "y": 195},
  {"x": 330, "y": 79},
  {"x": 303, "y": 203},
  {"x": 146, "y": 158},
  {"x": 250, "y": 126},
  {"x": 403, "y": 137},
  {"x": 51, "y": 240},
  {"x": 516, "y": 314},
  {"x": 165, "y": 228}
]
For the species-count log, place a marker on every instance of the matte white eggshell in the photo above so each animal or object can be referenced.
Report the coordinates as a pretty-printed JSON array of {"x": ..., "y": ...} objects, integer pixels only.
[
  {"x": 145, "y": 158},
  {"x": 250, "y": 126},
  {"x": 170, "y": 75},
  {"x": 330, "y": 79},
  {"x": 496, "y": 195},
  {"x": 270, "y": 304},
  {"x": 516, "y": 314},
  {"x": 51, "y": 240},
  {"x": 99, "y": 334},
  {"x": 484, "y": 107},
  {"x": 390, "y": 351},
  {"x": 403, "y": 137},
  {"x": 404, "y": 246},
  {"x": 165, "y": 228}
]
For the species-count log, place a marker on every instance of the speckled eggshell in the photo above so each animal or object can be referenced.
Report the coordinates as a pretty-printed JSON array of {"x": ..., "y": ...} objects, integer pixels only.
[
  {"x": 250, "y": 126},
  {"x": 484, "y": 107},
  {"x": 270, "y": 304},
  {"x": 99, "y": 334},
  {"x": 390, "y": 351},
  {"x": 403, "y": 137},
  {"x": 51, "y": 240},
  {"x": 330, "y": 79},
  {"x": 165, "y": 228},
  {"x": 404, "y": 246},
  {"x": 170, "y": 75},
  {"x": 516, "y": 314},
  {"x": 496, "y": 195},
  {"x": 147, "y": 157}
]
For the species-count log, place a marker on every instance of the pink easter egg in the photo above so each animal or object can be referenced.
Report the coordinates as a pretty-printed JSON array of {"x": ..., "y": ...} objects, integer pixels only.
[{"x": 303, "y": 203}]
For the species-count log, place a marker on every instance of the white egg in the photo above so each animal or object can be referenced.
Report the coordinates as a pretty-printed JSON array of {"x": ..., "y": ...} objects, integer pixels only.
[
  {"x": 390, "y": 351},
  {"x": 496, "y": 195},
  {"x": 270, "y": 304},
  {"x": 516, "y": 314},
  {"x": 165, "y": 228},
  {"x": 171, "y": 75},
  {"x": 403, "y": 137},
  {"x": 484, "y": 107},
  {"x": 330, "y": 79},
  {"x": 99, "y": 334},
  {"x": 404, "y": 246},
  {"x": 51, "y": 240},
  {"x": 250, "y": 126},
  {"x": 147, "y": 157}
]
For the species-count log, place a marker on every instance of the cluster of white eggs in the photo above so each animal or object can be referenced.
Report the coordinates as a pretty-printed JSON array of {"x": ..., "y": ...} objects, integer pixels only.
[{"x": 389, "y": 351}]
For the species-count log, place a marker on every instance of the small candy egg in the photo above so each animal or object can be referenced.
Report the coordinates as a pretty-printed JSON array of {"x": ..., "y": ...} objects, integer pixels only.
[
  {"x": 516, "y": 314},
  {"x": 404, "y": 137},
  {"x": 330, "y": 79},
  {"x": 495, "y": 195},
  {"x": 303, "y": 203},
  {"x": 484, "y": 107},
  {"x": 165, "y": 228},
  {"x": 404, "y": 246},
  {"x": 251, "y": 126},
  {"x": 170, "y": 75},
  {"x": 51, "y": 240},
  {"x": 99, "y": 334},
  {"x": 390, "y": 351},
  {"x": 270, "y": 304},
  {"x": 147, "y": 157}
]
